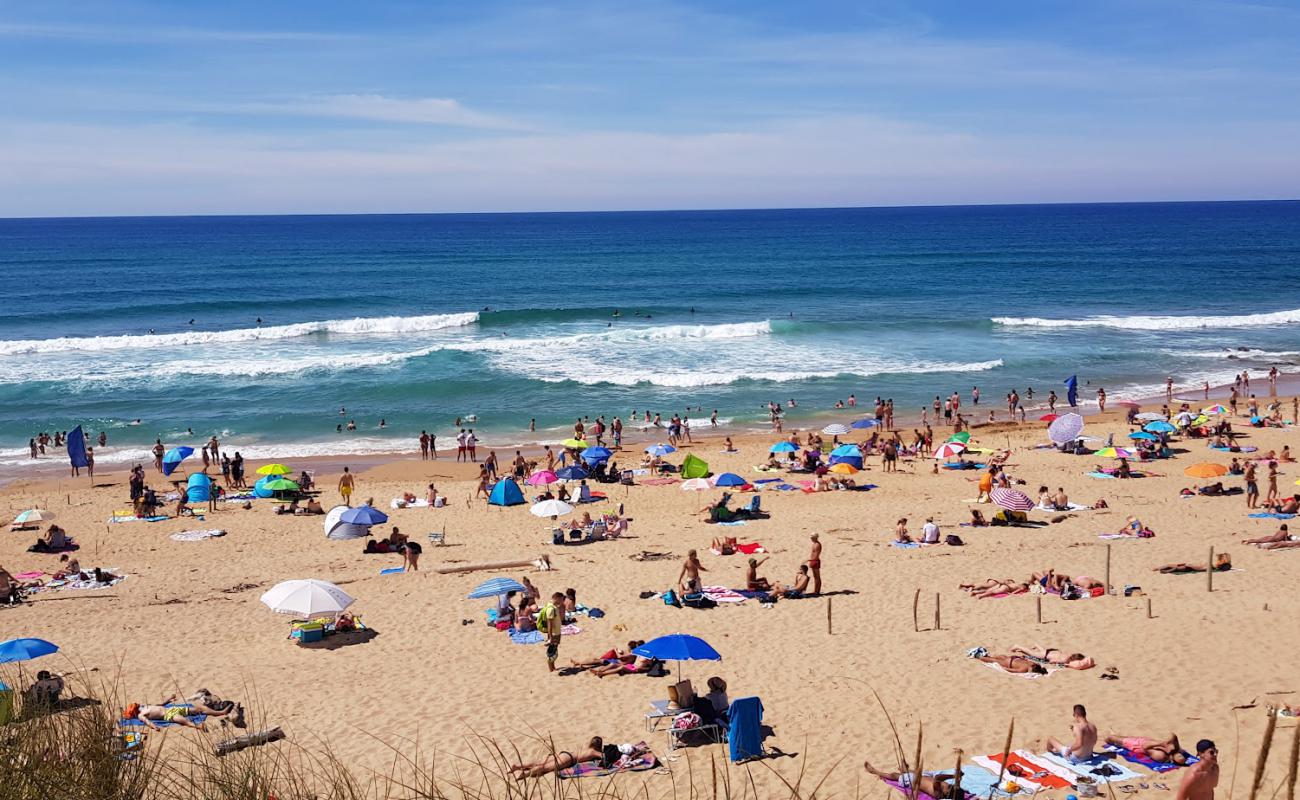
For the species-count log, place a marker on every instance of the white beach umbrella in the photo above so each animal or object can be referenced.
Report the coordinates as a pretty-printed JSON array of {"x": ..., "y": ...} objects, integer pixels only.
[
  {"x": 32, "y": 515},
  {"x": 696, "y": 485},
  {"x": 551, "y": 508},
  {"x": 1065, "y": 428},
  {"x": 307, "y": 598},
  {"x": 835, "y": 429}
]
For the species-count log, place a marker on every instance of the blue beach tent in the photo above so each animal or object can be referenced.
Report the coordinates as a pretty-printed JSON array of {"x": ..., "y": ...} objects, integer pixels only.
[{"x": 506, "y": 493}]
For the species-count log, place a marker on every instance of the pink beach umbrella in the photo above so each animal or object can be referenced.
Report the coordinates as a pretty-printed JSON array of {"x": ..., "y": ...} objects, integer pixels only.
[{"x": 542, "y": 478}]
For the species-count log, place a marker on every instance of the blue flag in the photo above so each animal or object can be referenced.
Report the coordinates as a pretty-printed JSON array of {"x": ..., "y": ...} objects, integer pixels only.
[
  {"x": 77, "y": 447},
  {"x": 1072, "y": 390}
]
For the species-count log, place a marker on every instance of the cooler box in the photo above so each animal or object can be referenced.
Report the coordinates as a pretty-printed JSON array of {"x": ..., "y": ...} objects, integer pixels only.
[{"x": 309, "y": 631}]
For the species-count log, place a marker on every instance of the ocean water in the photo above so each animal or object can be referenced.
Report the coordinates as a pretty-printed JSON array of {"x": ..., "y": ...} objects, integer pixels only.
[{"x": 420, "y": 319}]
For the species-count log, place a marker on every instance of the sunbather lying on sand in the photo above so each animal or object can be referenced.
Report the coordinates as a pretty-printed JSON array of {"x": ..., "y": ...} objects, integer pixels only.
[
  {"x": 1291, "y": 505},
  {"x": 1158, "y": 750},
  {"x": 994, "y": 587},
  {"x": 939, "y": 786},
  {"x": 1283, "y": 535},
  {"x": 177, "y": 715},
  {"x": 1057, "y": 657},
  {"x": 561, "y": 760},
  {"x": 724, "y": 546},
  {"x": 608, "y": 656},
  {"x": 1222, "y": 563},
  {"x": 629, "y": 665},
  {"x": 1015, "y": 664}
]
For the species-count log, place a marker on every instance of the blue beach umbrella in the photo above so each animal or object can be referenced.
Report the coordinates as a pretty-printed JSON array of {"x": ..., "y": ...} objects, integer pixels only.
[
  {"x": 363, "y": 515},
  {"x": 25, "y": 649},
  {"x": 729, "y": 479},
  {"x": 1160, "y": 427},
  {"x": 864, "y": 423},
  {"x": 660, "y": 450},
  {"x": 596, "y": 453},
  {"x": 783, "y": 447},
  {"x": 495, "y": 587},
  {"x": 847, "y": 451},
  {"x": 573, "y": 473},
  {"x": 678, "y": 647},
  {"x": 174, "y": 457},
  {"x": 1150, "y": 437}
]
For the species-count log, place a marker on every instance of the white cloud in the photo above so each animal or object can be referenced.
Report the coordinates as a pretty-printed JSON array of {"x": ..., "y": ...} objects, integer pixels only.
[{"x": 381, "y": 108}]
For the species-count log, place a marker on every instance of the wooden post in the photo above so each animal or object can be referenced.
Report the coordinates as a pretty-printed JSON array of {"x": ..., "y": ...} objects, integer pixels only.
[
  {"x": 937, "y": 624},
  {"x": 1006, "y": 753},
  {"x": 916, "y": 764},
  {"x": 1262, "y": 759},
  {"x": 1149, "y": 608},
  {"x": 1039, "y": 597},
  {"x": 1107, "y": 568},
  {"x": 1293, "y": 764},
  {"x": 828, "y": 615},
  {"x": 916, "y": 603},
  {"x": 1209, "y": 571}
]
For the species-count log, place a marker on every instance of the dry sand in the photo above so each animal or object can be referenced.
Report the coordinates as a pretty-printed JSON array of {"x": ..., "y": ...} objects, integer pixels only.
[{"x": 181, "y": 621}]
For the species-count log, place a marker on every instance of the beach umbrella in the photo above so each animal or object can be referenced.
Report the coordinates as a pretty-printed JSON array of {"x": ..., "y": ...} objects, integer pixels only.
[
  {"x": 273, "y": 469},
  {"x": 1114, "y": 452},
  {"x": 729, "y": 479},
  {"x": 660, "y": 450},
  {"x": 1011, "y": 499},
  {"x": 25, "y": 650},
  {"x": 1065, "y": 428},
  {"x": 551, "y": 508},
  {"x": 783, "y": 447},
  {"x": 1201, "y": 420},
  {"x": 1049, "y": 418},
  {"x": 283, "y": 485},
  {"x": 949, "y": 449},
  {"x": 574, "y": 444},
  {"x": 495, "y": 587},
  {"x": 1217, "y": 408},
  {"x": 835, "y": 429},
  {"x": 1205, "y": 469},
  {"x": 1143, "y": 435},
  {"x": 961, "y": 436},
  {"x": 174, "y": 457},
  {"x": 596, "y": 453},
  {"x": 846, "y": 451},
  {"x": 864, "y": 423},
  {"x": 696, "y": 485},
  {"x": 1149, "y": 416},
  {"x": 1159, "y": 426},
  {"x": 542, "y": 477},
  {"x": 33, "y": 515},
  {"x": 1128, "y": 404},
  {"x": 361, "y": 515},
  {"x": 678, "y": 647},
  {"x": 571, "y": 473},
  {"x": 307, "y": 598},
  {"x": 844, "y": 468}
]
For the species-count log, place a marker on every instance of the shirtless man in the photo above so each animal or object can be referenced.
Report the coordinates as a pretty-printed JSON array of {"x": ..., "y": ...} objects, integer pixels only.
[
  {"x": 938, "y": 786},
  {"x": 1061, "y": 501},
  {"x": 1057, "y": 657},
  {"x": 1283, "y": 535},
  {"x": 175, "y": 715},
  {"x": 814, "y": 564},
  {"x": 1200, "y": 780},
  {"x": 688, "y": 580},
  {"x": 346, "y": 484},
  {"x": 797, "y": 591},
  {"x": 1085, "y": 739},
  {"x": 754, "y": 583},
  {"x": 1158, "y": 750},
  {"x": 1222, "y": 563}
]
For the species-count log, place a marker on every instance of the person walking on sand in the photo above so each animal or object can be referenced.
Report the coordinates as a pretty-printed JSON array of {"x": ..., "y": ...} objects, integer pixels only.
[
  {"x": 347, "y": 482},
  {"x": 815, "y": 564},
  {"x": 1080, "y": 749},
  {"x": 1252, "y": 486},
  {"x": 550, "y": 620},
  {"x": 1201, "y": 779}
]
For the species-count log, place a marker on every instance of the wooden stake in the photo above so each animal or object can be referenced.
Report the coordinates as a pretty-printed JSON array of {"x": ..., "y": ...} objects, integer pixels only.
[
  {"x": 1039, "y": 597},
  {"x": 1262, "y": 759},
  {"x": 828, "y": 616},
  {"x": 1149, "y": 608},
  {"x": 1293, "y": 764},
  {"x": 956, "y": 773},
  {"x": 916, "y": 603},
  {"x": 937, "y": 624},
  {"x": 1209, "y": 571},
  {"x": 1107, "y": 587},
  {"x": 1006, "y": 753}
]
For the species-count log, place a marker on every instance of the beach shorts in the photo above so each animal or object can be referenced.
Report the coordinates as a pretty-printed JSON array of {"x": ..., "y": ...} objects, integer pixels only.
[
  {"x": 1069, "y": 756},
  {"x": 177, "y": 711},
  {"x": 1252, "y": 487},
  {"x": 552, "y": 651}
]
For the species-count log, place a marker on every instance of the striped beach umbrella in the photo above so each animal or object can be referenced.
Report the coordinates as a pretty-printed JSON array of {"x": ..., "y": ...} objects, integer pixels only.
[
  {"x": 1114, "y": 452},
  {"x": 949, "y": 449},
  {"x": 835, "y": 429},
  {"x": 1011, "y": 499},
  {"x": 495, "y": 587},
  {"x": 1065, "y": 428},
  {"x": 33, "y": 515},
  {"x": 1217, "y": 408}
]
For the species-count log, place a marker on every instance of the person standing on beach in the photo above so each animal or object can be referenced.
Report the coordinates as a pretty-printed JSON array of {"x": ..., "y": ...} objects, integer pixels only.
[
  {"x": 90, "y": 464},
  {"x": 815, "y": 562},
  {"x": 1201, "y": 779},
  {"x": 616, "y": 428},
  {"x": 471, "y": 442},
  {"x": 346, "y": 484},
  {"x": 550, "y": 620},
  {"x": 974, "y": 395},
  {"x": 424, "y": 445},
  {"x": 1101, "y": 399},
  {"x": 1272, "y": 483},
  {"x": 1051, "y": 402},
  {"x": 460, "y": 446},
  {"x": 1252, "y": 486},
  {"x": 158, "y": 451},
  {"x": 1169, "y": 389}
]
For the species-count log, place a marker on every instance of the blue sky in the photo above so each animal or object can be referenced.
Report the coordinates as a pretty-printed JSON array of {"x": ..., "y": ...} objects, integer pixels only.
[{"x": 111, "y": 107}]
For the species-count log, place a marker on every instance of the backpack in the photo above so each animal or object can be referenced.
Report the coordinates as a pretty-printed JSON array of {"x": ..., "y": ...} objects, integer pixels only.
[
  {"x": 656, "y": 669},
  {"x": 953, "y": 540},
  {"x": 670, "y": 599}
]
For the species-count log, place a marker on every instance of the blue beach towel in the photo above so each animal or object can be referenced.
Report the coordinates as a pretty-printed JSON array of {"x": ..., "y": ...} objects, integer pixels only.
[
  {"x": 134, "y": 723},
  {"x": 392, "y": 570},
  {"x": 1090, "y": 767},
  {"x": 905, "y": 545},
  {"x": 745, "y": 735},
  {"x": 1101, "y": 475},
  {"x": 529, "y": 637},
  {"x": 1272, "y": 515}
]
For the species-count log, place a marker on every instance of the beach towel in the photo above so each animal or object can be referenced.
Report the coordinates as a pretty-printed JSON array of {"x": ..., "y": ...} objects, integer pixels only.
[
  {"x": 134, "y": 518},
  {"x": 1099, "y": 475},
  {"x": 659, "y": 482},
  {"x": 721, "y": 594},
  {"x": 762, "y": 481},
  {"x": 1102, "y": 767},
  {"x": 783, "y": 487},
  {"x": 1224, "y": 449},
  {"x": 1272, "y": 515},
  {"x": 197, "y": 536},
  {"x": 734, "y": 522},
  {"x": 537, "y": 637},
  {"x": 980, "y": 782},
  {"x": 966, "y": 465},
  {"x": 998, "y": 668},
  {"x": 76, "y": 585},
  {"x": 28, "y": 576},
  {"x": 398, "y": 502},
  {"x": 646, "y": 760},
  {"x": 397, "y": 570},
  {"x": 745, "y": 736},
  {"x": 1032, "y": 773},
  {"x": 137, "y": 723},
  {"x": 230, "y": 498},
  {"x": 1072, "y": 507},
  {"x": 750, "y": 548},
  {"x": 905, "y": 545},
  {"x": 1142, "y": 759}
]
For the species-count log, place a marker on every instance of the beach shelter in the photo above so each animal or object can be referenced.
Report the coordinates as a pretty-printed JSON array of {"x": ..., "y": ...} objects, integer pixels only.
[
  {"x": 261, "y": 489},
  {"x": 783, "y": 447},
  {"x": 694, "y": 467},
  {"x": 727, "y": 479},
  {"x": 173, "y": 458},
  {"x": 847, "y": 454},
  {"x": 506, "y": 493},
  {"x": 336, "y": 528},
  {"x": 198, "y": 489}
]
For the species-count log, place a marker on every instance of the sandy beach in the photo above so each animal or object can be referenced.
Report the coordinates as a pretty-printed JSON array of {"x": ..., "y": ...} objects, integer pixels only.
[{"x": 1202, "y": 664}]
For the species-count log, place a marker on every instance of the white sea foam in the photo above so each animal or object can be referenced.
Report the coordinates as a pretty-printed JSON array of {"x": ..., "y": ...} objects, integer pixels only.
[
  {"x": 1153, "y": 323},
  {"x": 356, "y": 327},
  {"x": 1248, "y": 353},
  {"x": 591, "y": 374}
]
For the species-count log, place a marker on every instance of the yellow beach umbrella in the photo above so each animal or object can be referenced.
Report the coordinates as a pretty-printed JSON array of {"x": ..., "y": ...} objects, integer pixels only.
[
  {"x": 844, "y": 469},
  {"x": 574, "y": 443},
  {"x": 273, "y": 469}
]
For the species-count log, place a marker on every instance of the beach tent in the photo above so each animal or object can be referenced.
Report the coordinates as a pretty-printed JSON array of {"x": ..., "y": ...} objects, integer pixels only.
[
  {"x": 694, "y": 467},
  {"x": 260, "y": 489},
  {"x": 847, "y": 454},
  {"x": 506, "y": 493},
  {"x": 198, "y": 489},
  {"x": 336, "y": 528}
]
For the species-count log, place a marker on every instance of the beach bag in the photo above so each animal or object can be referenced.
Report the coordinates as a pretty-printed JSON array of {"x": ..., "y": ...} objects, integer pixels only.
[
  {"x": 657, "y": 669},
  {"x": 557, "y": 536},
  {"x": 698, "y": 600},
  {"x": 686, "y": 721},
  {"x": 953, "y": 540},
  {"x": 670, "y": 599}
]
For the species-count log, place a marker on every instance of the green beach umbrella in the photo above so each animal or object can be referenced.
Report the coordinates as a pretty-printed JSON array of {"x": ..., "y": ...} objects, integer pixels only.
[
  {"x": 280, "y": 485},
  {"x": 963, "y": 437}
]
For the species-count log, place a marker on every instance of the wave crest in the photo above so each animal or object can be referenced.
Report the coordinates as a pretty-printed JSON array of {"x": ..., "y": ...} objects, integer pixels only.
[{"x": 1151, "y": 323}]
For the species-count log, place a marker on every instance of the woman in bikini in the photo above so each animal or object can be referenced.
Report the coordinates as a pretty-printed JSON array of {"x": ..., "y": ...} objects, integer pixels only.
[
  {"x": 1222, "y": 563},
  {"x": 1052, "y": 655},
  {"x": 1018, "y": 665},
  {"x": 561, "y": 760},
  {"x": 1158, "y": 750}
]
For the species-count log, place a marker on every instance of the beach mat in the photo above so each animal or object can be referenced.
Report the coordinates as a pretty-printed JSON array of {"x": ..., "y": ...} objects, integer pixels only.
[
  {"x": 998, "y": 668},
  {"x": 1102, "y": 767},
  {"x": 721, "y": 594},
  {"x": 1141, "y": 759},
  {"x": 392, "y": 571},
  {"x": 1272, "y": 515},
  {"x": 136, "y": 723},
  {"x": 645, "y": 761},
  {"x": 134, "y": 518},
  {"x": 197, "y": 536},
  {"x": 1032, "y": 773}
]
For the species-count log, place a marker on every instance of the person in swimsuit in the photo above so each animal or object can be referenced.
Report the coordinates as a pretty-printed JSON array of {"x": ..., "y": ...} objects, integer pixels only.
[
  {"x": 1059, "y": 658},
  {"x": 1014, "y": 664},
  {"x": 1160, "y": 751},
  {"x": 938, "y": 786},
  {"x": 1201, "y": 779},
  {"x": 609, "y": 656},
  {"x": 1283, "y": 535},
  {"x": 595, "y": 752},
  {"x": 814, "y": 564},
  {"x": 795, "y": 592},
  {"x": 995, "y": 588},
  {"x": 1222, "y": 563},
  {"x": 150, "y": 715},
  {"x": 688, "y": 580},
  {"x": 1085, "y": 739},
  {"x": 754, "y": 583}
]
